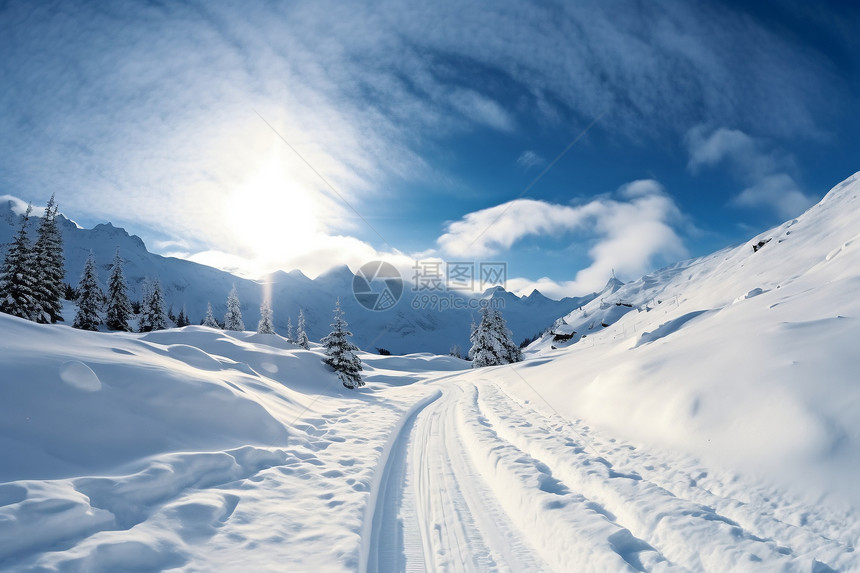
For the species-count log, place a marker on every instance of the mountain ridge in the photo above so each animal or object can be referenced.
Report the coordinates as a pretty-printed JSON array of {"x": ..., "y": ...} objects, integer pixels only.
[{"x": 401, "y": 329}]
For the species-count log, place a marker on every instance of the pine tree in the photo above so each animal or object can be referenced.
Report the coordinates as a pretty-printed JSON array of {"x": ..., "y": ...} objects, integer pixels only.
[
  {"x": 18, "y": 295},
  {"x": 210, "y": 318},
  {"x": 182, "y": 319},
  {"x": 301, "y": 335},
  {"x": 512, "y": 352},
  {"x": 265, "y": 325},
  {"x": 49, "y": 266},
  {"x": 90, "y": 298},
  {"x": 233, "y": 318},
  {"x": 119, "y": 308},
  {"x": 341, "y": 353},
  {"x": 152, "y": 315},
  {"x": 289, "y": 329},
  {"x": 492, "y": 342}
]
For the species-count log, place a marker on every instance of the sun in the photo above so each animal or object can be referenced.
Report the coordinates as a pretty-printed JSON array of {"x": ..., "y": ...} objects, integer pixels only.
[{"x": 273, "y": 214}]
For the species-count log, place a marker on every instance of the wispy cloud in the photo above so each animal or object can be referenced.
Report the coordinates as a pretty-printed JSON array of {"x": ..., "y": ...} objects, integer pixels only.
[
  {"x": 778, "y": 192},
  {"x": 628, "y": 234},
  {"x": 529, "y": 159},
  {"x": 145, "y": 111},
  {"x": 762, "y": 170}
]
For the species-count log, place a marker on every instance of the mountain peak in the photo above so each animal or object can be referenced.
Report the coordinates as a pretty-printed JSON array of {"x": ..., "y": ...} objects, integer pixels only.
[{"x": 612, "y": 285}]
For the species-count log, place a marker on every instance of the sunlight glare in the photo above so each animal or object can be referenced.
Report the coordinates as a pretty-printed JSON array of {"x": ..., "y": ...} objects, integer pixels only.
[{"x": 272, "y": 214}]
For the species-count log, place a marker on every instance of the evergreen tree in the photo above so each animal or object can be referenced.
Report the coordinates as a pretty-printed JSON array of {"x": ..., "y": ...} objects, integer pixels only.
[
  {"x": 265, "y": 326},
  {"x": 341, "y": 353},
  {"x": 289, "y": 329},
  {"x": 90, "y": 298},
  {"x": 49, "y": 266},
  {"x": 119, "y": 308},
  {"x": 153, "y": 315},
  {"x": 512, "y": 352},
  {"x": 301, "y": 335},
  {"x": 182, "y": 319},
  {"x": 18, "y": 295},
  {"x": 492, "y": 342},
  {"x": 233, "y": 318},
  {"x": 210, "y": 318}
]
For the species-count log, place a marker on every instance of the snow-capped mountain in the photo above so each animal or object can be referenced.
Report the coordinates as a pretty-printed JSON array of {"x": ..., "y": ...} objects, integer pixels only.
[{"x": 400, "y": 329}]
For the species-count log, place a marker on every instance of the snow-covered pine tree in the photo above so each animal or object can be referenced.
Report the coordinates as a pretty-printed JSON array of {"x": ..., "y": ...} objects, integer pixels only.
[
  {"x": 18, "y": 295},
  {"x": 289, "y": 329},
  {"x": 340, "y": 352},
  {"x": 301, "y": 335},
  {"x": 233, "y": 318},
  {"x": 506, "y": 338},
  {"x": 483, "y": 342},
  {"x": 491, "y": 343},
  {"x": 210, "y": 318},
  {"x": 90, "y": 298},
  {"x": 265, "y": 326},
  {"x": 152, "y": 313},
  {"x": 118, "y": 307},
  {"x": 49, "y": 266}
]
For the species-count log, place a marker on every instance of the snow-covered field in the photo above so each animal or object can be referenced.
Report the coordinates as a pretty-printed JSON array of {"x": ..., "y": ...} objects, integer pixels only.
[{"x": 713, "y": 425}]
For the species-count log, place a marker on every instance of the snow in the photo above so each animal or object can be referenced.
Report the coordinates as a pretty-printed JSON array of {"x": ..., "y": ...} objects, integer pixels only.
[{"x": 712, "y": 425}]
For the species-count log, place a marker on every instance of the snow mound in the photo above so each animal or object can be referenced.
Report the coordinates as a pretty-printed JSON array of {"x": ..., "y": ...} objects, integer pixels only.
[
  {"x": 193, "y": 357},
  {"x": 78, "y": 375}
]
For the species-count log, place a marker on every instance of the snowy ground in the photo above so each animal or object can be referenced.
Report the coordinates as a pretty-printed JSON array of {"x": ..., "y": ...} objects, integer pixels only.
[
  {"x": 129, "y": 452},
  {"x": 713, "y": 425}
]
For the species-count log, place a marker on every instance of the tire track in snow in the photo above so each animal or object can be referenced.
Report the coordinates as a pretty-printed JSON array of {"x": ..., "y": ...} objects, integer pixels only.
[
  {"x": 688, "y": 532},
  {"x": 433, "y": 511},
  {"x": 573, "y": 532},
  {"x": 382, "y": 535}
]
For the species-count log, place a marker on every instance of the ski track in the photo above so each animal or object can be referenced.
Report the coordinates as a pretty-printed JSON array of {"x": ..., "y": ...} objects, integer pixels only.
[
  {"x": 478, "y": 480},
  {"x": 461, "y": 476}
]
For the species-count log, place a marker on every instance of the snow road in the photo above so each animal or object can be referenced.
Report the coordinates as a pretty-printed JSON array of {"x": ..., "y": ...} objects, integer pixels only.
[{"x": 474, "y": 479}]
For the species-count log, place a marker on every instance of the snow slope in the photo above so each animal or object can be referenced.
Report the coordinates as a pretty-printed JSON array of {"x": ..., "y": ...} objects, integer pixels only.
[
  {"x": 748, "y": 356},
  {"x": 196, "y": 450},
  {"x": 402, "y": 329},
  {"x": 711, "y": 426}
]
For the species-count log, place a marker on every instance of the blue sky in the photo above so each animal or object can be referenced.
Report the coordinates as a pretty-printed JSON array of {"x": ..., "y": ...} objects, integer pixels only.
[{"x": 694, "y": 126}]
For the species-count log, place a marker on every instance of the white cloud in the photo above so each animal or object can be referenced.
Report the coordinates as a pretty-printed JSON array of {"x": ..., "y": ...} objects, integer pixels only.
[
  {"x": 709, "y": 150},
  {"x": 627, "y": 235},
  {"x": 146, "y": 113},
  {"x": 778, "y": 192},
  {"x": 19, "y": 206},
  {"x": 529, "y": 159},
  {"x": 763, "y": 171},
  {"x": 482, "y": 109}
]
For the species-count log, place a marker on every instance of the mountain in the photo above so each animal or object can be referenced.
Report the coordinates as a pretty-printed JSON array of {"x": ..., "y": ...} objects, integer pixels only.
[{"x": 409, "y": 326}]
